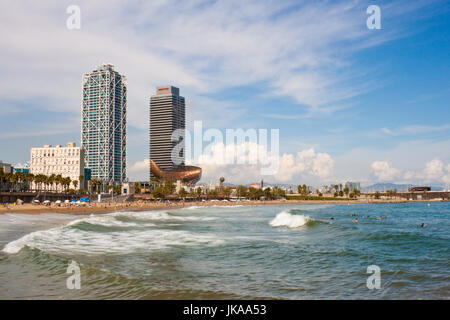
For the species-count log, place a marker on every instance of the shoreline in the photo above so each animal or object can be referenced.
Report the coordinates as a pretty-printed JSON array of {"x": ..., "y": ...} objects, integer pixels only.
[{"x": 136, "y": 206}]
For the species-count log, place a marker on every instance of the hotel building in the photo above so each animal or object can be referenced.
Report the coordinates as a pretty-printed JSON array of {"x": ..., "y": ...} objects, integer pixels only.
[
  {"x": 167, "y": 114},
  {"x": 104, "y": 124},
  {"x": 66, "y": 161}
]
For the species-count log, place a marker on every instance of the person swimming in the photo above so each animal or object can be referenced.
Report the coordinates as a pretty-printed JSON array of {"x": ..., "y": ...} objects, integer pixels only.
[
  {"x": 423, "y": 225},
  {"x": 355, "y": 221}
]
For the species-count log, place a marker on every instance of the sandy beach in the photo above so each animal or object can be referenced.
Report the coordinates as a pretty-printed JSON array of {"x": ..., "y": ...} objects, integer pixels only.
[{"x": 143, "y": 206}]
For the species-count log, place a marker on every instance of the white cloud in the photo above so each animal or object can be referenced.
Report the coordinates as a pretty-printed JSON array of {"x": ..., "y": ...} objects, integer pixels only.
[
  {"x": 434, "y": 169},
  {"x": 293, "y": 168},
  {"x": 306, "y": 164},
  {"x": 297, "y": 49},
  {"x": 384, "y": 171},
  {"x": 415, "y": 129},
  {"x": 139, "y": 171},
  {"x": 434, "y": 172}
]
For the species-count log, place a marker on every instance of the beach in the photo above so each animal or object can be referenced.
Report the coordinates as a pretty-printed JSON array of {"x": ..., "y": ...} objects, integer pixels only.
[{"x": 144, "y": 206}]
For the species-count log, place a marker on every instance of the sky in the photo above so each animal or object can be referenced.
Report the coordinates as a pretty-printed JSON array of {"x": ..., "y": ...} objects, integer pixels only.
[{"x": 350, "y": 103}]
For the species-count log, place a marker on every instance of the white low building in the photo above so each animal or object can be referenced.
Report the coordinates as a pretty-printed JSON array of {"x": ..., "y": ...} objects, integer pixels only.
[{"x": 66, "y": 161}]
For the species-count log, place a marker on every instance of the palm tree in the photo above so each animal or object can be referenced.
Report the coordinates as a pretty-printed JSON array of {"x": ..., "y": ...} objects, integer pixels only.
[
  {"x": 199, "y": 192},
  {"x": 241, "y": 191},
  {"x": 212, "y": 193},
  {"x": 36, "y": 182},
  {"x": 2, "y": 178},
  {"x": 30, "y": 179},
  {"x": 182, "y": 193},
  {"x": 304, "y": 190},
  {"x": 159, "y": 192},
  {"x": 192, "y": 194},
  {"x": 94, "y": 184},
  {"x": 227, "y": 192},
  {"x": 137, "y": 187},
  {"x": 14, "y": 180},
  {"x": 59, "y": 180},
  {"x": 75, "y": 184},
  {"x": 81, "y": 180},
  {"x": 346, "y": 191},
  {"x": 67, "y": 182},
  {"x": 47, "y": 182}
]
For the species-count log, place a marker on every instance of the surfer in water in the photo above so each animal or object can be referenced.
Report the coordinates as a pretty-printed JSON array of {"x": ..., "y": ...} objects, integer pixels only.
[{"x": 422, "y": 225}]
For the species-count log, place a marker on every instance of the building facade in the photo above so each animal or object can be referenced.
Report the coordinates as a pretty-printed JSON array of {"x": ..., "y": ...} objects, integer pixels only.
[
  {"x": 7, "y": 168},
  {"x": 353, "y": 186},
  {"x": 167, "y": 114},
  {"x": 104, "y": 124},
  {"x": 66, "y": 161}
]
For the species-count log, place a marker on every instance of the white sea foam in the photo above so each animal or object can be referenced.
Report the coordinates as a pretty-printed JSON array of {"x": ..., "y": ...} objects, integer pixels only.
[
  {"x": 192, "y": 207},
  {"x": 107, "y": 221},
  {"x": 285, "y": 219},
  {"x": 66, "y": 238},
  {"x": 159, "y": 216},
  {"x": 227, "y": 206}
]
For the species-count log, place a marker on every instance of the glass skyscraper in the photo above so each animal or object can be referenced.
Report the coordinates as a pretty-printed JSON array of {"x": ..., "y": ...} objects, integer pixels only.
[
  {"x": 167, "y": 114},
  {"x": 104, "y": 124}
]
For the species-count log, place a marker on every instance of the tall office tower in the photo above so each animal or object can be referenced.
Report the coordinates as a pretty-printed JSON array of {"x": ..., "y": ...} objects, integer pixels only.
[
  {"x": 104, "y": 124},
  {"x": 167, "y": 114}
]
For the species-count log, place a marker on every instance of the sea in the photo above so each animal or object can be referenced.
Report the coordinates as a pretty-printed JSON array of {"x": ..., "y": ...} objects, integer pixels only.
[{"x": 319, "y": 251}]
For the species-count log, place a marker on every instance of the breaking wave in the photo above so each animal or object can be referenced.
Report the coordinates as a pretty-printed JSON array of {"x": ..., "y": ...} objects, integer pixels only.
[
  {"x": 122, "y": 232},
  {"x": 286, "y": 219}
]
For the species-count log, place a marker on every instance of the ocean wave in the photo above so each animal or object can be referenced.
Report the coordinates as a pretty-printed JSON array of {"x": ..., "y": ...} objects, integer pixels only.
[
  {"x": 105, "y": 221},
  {"x": 191, "y": 208},
  {"x": 105, "y": 234},
  {"x": 156, "y": 216},
  {"x": 286, "y": 219},
  {"x": 227, "y": 206}
]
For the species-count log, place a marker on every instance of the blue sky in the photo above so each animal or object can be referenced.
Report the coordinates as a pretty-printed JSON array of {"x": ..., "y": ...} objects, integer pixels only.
[{"x": 373, "y": 105}]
